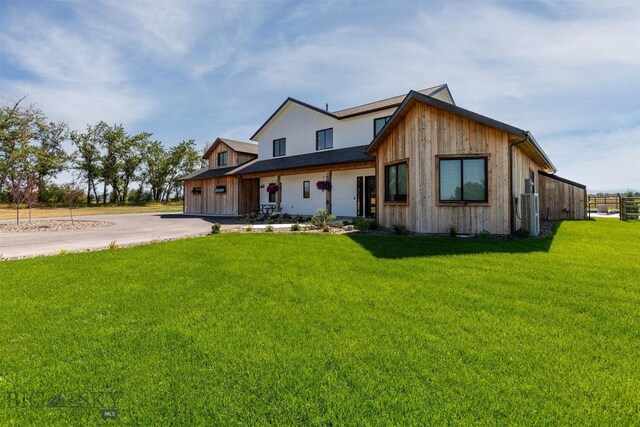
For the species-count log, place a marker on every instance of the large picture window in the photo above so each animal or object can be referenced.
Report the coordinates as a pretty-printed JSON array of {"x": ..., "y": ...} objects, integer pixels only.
[
  {"x": 222, "y": 158},
  {"x": 463, "y": 179},
  {"x": 279, "y": 147},
  {"x": 324, "y": 139},
  {"x": 378, "y": 124},
  {"x": 395, "y": 178}
]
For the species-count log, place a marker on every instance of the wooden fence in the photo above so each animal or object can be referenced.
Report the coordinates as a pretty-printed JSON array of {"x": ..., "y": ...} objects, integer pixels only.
[{"x": 629, "y": 208}]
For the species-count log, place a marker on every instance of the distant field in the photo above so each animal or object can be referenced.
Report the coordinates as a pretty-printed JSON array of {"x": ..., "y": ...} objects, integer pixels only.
[
  {"x": 9, "y": 212},
  {"x": 317, "y": 329}
]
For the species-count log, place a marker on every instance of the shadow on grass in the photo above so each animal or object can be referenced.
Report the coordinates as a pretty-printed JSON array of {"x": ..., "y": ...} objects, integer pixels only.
[{"x": 397, "y": 247}]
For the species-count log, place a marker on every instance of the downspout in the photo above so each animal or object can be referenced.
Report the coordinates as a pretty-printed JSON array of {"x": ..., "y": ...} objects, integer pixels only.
[{"x": 512, "y": 211}]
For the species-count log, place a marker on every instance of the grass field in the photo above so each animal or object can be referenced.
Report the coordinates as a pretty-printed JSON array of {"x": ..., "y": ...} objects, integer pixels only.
[
  {"x": 256, "y": 329},
  {"x": 9, "y": 212}
]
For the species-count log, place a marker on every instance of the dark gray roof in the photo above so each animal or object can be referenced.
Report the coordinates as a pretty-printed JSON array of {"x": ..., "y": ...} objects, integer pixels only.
[
  {"x": 209, "y": 173},
  {"x": 238, "y": 146},
  {"x": 319, "y": 158},
  {"x": 565, "y": 180}
]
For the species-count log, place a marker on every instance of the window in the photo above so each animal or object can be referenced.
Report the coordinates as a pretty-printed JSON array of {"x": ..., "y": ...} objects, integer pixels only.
[
  {"x": 396, "y": 183},
  {"x": 463, "y": 179},
  {"x": 222, "y": 158},
  {"x": 279, "y": 147},
  {"x": 378, "y": 124},
  {"x": 306, "y": 189},
  {"x": 324, "y": 139},
  {"x": 220, "y": 189},
  {"x": 196, "y": 190}
]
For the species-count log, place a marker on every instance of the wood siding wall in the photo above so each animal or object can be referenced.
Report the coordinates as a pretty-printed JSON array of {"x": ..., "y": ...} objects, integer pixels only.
[
  {"x": 426, "y": 133},
  {"x": 233, "y": 157},
  {"x": 522, "y": 164},
  {"x": 209, "y": 202},
  {"x": 556, "y": 196}
]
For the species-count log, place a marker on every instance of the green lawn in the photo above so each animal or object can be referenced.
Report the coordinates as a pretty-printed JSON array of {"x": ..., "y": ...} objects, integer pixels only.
[{"x": 256, "y": 329}]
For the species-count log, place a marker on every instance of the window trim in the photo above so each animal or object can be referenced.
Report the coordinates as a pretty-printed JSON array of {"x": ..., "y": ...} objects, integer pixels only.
[
  {"x": 226, "y": 158},
  {"x": 196, "y": 190},
  {"x": 384, "y": 182},
  {"x": 274, "y": 147},
  {"x": 306, "y": 189},
  {"x": 318, "y": 133},
  {"x": 380, "y": 118},
  {"x": 462, "y": 203}
]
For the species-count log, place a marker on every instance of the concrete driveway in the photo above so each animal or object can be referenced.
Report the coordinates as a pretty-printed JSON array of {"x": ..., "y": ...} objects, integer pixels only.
[{"x": 126, "y": 229}]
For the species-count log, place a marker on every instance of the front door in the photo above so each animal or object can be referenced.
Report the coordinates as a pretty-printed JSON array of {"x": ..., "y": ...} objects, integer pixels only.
[
  {"x": 366, "y": 196},
  {"x": 370, "y": 196}
]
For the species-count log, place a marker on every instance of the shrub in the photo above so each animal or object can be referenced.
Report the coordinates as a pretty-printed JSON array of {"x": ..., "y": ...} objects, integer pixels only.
[
  {"x": 269, "y": 229},
  {"x": 364, "y": 224},
  {"x": 326, "y": 228},
  {"x": 322, "y": 218},
  {"x": 63, "y": 251},
  {"x": 521, "y": 233},
  {"x": 249, "y": 228},
  {"x": 484, "y": 234},
  {"x": 215, "y": 228},
  {"x": 452, "y": 231},
  {"x": 113, "y": 244},
  {"x": 275, "y": 217},
  {"x": 400, "y": 229},
  {"x": 295, "y": 227}
]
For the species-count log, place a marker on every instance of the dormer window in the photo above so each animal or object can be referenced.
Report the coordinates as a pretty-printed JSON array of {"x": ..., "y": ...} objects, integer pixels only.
[
  {"x": 222, "y": 158},
  {"x": 324, "y": 139},
  {"x": 279, "y": 147},
  {"x": 378, "y": 124}
]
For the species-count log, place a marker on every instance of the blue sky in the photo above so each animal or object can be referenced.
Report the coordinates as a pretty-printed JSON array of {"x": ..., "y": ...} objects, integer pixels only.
[{"x": 568, "y": 71}]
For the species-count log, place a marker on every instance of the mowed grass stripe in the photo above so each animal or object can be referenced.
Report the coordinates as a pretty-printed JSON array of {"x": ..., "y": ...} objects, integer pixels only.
[{"x": 319, "y": 329}]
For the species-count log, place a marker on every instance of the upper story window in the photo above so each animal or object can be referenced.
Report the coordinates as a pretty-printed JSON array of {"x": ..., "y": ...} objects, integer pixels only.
[
  {"x": 463, "y": 179},
  {"x": 324, "y": 139},
  {"x": 395, "y": 180},
  {"x": 378, "y": 124},
  {"x": 279, "y": 147},
  {"x": 222, "y": 158}
]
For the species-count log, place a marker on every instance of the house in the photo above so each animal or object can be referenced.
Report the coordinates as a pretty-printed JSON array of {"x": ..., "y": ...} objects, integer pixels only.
[
  {"x": 416, "y": 160},
  {"x": 217, "y": 189}
]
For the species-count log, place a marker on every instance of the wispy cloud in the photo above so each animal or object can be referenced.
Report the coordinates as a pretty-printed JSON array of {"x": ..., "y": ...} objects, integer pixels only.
[{"x": 567, "y": 71}]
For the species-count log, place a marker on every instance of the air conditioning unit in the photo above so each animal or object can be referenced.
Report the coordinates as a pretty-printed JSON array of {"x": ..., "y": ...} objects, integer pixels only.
[{"x": 530, "y": 213}]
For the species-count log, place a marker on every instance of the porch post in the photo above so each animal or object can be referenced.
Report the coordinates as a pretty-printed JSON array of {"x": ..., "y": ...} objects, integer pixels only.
[
  {"x": 328, "y": 195},
  {"x": 278, "y": 194}
]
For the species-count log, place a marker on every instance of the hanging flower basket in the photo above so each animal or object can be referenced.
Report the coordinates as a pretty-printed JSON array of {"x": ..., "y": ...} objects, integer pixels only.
[
  {"x": 272, "y": 188},
  {"x": 323, "y": 185}
]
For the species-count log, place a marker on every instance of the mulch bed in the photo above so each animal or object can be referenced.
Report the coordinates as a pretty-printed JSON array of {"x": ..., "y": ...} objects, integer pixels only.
[{"x": 43, "y": 226}]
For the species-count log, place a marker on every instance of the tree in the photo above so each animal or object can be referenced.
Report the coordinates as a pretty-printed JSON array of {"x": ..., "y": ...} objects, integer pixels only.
[
  {"x": 86, "y": 158},
  {"x": 131, "y": 158},
  {"x": 112, "y": 141},
  {"x": 183, "y": 159},
  {"x": 73, "y": 194},
  {"x": 18, "y": 128},
  {"x": 50, "y": 156},
  {"x": 156, "y": 169}
]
